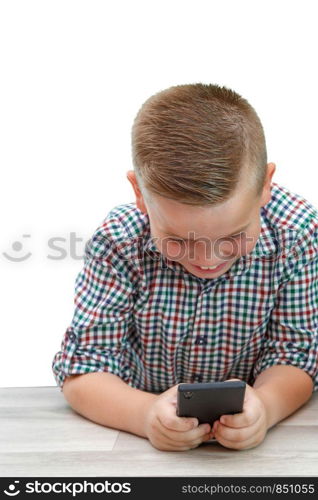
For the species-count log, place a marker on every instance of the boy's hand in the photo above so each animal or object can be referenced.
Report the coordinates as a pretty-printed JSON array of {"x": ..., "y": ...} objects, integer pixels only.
[
  {"x": 243, "y": 430},
  {"x": 166, "y": 431}
]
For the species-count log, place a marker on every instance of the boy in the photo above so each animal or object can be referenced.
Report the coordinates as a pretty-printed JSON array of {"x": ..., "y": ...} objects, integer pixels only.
[{"x": 211, "y": 275}]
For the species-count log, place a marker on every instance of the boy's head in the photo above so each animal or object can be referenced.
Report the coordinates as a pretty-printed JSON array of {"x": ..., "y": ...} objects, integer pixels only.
[{"x": 200, "y": 173}]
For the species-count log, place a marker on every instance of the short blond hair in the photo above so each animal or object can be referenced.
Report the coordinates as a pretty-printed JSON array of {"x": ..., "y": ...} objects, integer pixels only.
[{"x": 191, "y": 142}]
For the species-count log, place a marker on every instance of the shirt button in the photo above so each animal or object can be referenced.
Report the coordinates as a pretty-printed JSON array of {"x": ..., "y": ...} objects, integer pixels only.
[
  {"x": 201, "y": 340},
  {"x": 71, "y": 336},
  {"x": 197, "y": 378}
]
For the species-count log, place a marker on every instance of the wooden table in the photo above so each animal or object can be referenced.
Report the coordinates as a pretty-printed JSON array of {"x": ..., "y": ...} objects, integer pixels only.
[{"x": 41, "y": 435}]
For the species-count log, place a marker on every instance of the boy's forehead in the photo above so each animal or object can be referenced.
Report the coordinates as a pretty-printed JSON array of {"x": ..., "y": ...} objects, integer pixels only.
[{"x": 224, "y": 218}]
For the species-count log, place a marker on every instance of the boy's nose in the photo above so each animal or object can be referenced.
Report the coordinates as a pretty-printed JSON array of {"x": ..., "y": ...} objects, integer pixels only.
[
  {"x": 226, "y": 249},
  {"x": 213, "y": 255}
]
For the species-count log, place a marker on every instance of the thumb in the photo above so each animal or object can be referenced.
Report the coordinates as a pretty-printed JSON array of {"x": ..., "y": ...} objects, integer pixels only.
[
  {"x": 172, "y": 391},
  {"x": 171, "y": 395}
]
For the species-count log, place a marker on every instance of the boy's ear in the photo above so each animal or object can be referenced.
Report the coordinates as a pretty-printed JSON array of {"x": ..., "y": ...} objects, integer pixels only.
[
  {"x": 131, "y": 176},
  {"x": 266, "y": 194}
]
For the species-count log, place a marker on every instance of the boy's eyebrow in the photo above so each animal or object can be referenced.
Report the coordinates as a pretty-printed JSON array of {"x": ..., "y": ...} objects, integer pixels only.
[{"x": 229, "y": 235}]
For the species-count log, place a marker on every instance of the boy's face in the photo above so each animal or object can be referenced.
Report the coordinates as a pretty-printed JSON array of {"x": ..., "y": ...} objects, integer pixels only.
[{"x": 205, "y": 236}]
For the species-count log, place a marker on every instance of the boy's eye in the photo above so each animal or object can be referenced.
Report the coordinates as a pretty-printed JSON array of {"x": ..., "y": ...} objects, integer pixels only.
[
  {"x": 175, "y": 240},
  {"x": 234, "y": 237}
]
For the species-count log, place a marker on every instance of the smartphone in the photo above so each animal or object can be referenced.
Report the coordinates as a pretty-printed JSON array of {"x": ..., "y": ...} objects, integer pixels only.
[{"x": 208, "y": 401}]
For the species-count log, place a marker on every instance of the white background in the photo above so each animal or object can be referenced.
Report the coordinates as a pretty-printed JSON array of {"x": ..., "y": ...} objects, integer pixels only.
[{"x": 73, "y": 76}]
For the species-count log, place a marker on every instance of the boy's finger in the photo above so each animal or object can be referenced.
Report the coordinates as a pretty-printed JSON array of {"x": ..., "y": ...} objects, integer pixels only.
[
  {"x": 244, "y": 419},
  {"x": 171, "y": 421},
  {"x": 189, "y": 436},
  {"x": 237, "y": 445},
  {"x": 237, "y": 423},
  {"x": 234, "y": 435}
]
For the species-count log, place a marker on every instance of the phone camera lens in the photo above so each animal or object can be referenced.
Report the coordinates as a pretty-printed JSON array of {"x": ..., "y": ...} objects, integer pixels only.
[{"x": 188, "y": 394}]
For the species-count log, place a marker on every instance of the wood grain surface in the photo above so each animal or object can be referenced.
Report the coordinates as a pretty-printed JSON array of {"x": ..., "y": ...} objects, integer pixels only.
[{"x": 41, "y": 435}]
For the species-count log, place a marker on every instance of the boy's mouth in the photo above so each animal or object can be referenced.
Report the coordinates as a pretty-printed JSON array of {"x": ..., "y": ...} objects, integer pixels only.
[{"x": 209, "y": 270}]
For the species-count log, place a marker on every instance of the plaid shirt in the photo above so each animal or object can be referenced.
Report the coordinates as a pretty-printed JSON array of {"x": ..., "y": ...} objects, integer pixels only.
[{"x": 148, "y": 320}]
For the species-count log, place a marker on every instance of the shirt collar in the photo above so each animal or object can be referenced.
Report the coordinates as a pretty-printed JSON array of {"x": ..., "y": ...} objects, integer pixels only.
[{"x": 266, "y": 243}]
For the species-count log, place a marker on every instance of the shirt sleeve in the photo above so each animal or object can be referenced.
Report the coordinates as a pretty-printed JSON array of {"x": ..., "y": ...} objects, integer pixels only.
[
  {"x": 104, "y": 297},
  {"x": 292, "y": 332}
]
